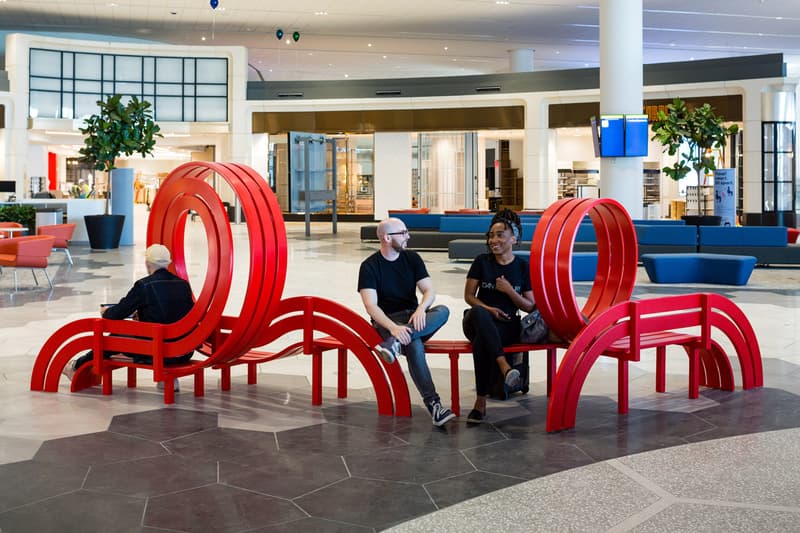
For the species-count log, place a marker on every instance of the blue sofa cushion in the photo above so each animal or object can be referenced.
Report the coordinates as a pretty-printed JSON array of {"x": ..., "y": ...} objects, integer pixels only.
[
  {"x": 420, "y": 220},
  {"x": 666, "y": 234},
  {"x": 742, "y": 236},
  {"x": 465, "y": 224},
  {"x": 720, "y": 269}
]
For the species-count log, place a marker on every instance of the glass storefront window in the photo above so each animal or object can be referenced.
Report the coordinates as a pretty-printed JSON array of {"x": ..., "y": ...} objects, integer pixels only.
[{"x": 349, "y": 159}]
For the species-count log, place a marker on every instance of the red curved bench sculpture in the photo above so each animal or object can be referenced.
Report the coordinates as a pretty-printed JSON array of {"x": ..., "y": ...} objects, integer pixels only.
[
  {"x": 223, "y": 339},
  {"x": 611, "y": 324}
]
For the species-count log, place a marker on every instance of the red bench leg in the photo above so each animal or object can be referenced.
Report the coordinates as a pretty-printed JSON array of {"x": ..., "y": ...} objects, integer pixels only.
[
  {"x": 131, "y": 377},
  {"x": 107, "y": 388},
  {"x": 694, "y": 373},
  {"x": 199, "y": 383},
  {"x": 661, "y": 369},
  {"x": 252, "y": 373},
  {"x": 551, "y": 368},
  {"x": 225, "y": 377},
  {"x": 455, "y": 402},
  {"x": 622, "y": 386},
  {"x": 342, "y": 378},
  {"x": 316, "y": 378},
  {"x": 169, "y": 392}
]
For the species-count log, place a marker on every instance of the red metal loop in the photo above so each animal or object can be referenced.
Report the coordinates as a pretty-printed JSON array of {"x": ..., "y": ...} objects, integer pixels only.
[{"x": 551, "y": 261}]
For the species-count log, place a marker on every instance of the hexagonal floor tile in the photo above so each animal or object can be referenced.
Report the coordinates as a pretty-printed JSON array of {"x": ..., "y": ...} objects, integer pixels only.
[
  {"x": 218, "y": 508},
  {"x": 163, "y": 424},
  {"x": 284, "y": 474}
]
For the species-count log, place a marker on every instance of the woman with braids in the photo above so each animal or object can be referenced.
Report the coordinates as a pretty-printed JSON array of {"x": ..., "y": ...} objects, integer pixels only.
[{"x": 498, "y": 284}]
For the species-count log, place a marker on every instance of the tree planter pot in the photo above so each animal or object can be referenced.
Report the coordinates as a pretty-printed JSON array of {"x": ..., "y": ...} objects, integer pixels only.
[{"x": 104, "y": 230}]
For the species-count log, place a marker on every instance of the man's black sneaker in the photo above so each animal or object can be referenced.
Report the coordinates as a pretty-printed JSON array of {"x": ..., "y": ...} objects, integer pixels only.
[
  {"x": 440, "y": 414},
  {"x": 388, "y": 349}
]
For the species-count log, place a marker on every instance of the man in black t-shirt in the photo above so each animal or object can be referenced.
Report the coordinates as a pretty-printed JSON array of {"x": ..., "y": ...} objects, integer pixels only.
[{"x": 388, "y": 281}]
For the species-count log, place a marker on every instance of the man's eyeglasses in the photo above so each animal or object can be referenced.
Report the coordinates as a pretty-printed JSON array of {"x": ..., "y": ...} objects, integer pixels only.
[{"x": 404, "y": 232}]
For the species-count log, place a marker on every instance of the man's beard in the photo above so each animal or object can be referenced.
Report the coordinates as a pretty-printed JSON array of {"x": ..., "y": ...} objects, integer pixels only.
[{"x": 399, "y": 247}]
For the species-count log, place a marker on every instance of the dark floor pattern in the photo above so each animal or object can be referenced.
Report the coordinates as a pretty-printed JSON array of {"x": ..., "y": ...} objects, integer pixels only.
[{"x": 176, "y": 470}]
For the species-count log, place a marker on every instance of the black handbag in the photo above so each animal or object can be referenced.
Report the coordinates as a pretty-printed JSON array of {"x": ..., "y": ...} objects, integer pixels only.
[{"x": 533, "y": 329}]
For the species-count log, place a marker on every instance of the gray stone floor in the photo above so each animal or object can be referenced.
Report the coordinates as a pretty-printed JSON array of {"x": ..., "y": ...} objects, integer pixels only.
[{"x": 261, "y": 458}]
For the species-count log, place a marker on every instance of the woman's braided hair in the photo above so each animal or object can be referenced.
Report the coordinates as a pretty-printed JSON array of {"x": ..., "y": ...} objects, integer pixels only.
[{"x": 509, "y": 219}]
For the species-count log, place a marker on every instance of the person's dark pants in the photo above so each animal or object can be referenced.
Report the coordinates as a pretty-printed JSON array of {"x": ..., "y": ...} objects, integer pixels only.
[
  {"x": 488, "y": 337},
  {"x": 435, "y": 317},
  {"x": 137, "y": 358}
]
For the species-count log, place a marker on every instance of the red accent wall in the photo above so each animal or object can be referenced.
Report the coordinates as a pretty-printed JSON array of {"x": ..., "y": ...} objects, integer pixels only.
[{"x": 52, "y": 176}]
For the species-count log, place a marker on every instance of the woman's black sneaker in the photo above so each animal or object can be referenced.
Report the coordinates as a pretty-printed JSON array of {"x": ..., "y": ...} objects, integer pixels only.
[{"x": 475, "y": 417}]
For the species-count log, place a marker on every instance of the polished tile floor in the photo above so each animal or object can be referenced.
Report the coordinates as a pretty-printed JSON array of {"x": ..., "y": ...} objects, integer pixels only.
[{"x": 261, "y": 458}]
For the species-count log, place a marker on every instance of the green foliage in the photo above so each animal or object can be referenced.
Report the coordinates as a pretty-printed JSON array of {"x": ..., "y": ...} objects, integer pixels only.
[
  {"x": 22, "y": 214},
  {"x": 118, "y": 129},
  {"x": 700, "y": 128}
]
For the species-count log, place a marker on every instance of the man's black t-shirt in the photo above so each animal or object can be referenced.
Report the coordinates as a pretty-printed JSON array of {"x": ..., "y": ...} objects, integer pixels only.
[
  {"x": 486, "y": 270},
  {"x": 395, "y": 281}
]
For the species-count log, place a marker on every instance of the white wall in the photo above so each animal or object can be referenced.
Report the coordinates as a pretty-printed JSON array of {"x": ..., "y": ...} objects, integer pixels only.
[{"x": 392, "y": 172}]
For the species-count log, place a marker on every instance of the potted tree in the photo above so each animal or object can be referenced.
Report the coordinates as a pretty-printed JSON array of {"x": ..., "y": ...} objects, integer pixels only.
[
  {"x": 117, "y": 129},
  {"x": 699, "y": 129}
]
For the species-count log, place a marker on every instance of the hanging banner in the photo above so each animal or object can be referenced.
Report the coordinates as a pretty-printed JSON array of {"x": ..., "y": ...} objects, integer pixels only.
[{"x": 725, "y": 195}]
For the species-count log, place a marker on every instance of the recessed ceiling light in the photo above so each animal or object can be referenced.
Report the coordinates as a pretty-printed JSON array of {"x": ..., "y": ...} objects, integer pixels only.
[
  {"x": 369, "y": 45},
  {"x": 311, "y": 53},
  {"x": 288, "y": 41},
  {"x": 384, "y": 57},
  {"x": 347, "y": 75},
  {"x": 557, "y": 52},
  {"x": 502, "y": 2},
  {"x": 445, "y": 48},
  {"x": 111, "y": 4},
  {"x": 320, "y": 13},
  {"x": 203, "y": 38}
]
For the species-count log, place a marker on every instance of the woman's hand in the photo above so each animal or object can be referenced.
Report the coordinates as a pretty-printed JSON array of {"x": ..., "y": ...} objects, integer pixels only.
[
  {"x": 502, "y": 285},
  {"x": 498, "y": 314}
]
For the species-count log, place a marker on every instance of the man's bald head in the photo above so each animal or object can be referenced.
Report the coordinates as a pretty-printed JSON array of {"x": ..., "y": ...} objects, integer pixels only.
[{"x": 390, "y": 225}]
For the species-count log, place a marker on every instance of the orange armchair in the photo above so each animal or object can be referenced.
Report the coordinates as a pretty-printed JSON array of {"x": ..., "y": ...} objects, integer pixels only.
[
  {"x": 62, "y": 233},
  {"x": 26, "y": 252},
  {"x": 3, "y": 234}
]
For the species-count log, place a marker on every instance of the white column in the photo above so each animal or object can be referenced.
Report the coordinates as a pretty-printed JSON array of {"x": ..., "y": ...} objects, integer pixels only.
[
  {"x": 521, "y": 60},
  {"x": 392, "y": 172},
  {"x": 621, "y": 92}
]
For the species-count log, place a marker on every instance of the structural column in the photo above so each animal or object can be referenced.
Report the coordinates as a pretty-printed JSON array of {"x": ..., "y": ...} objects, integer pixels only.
[
  {"x": 521, "y": 60},
  {"x": 621, "y": 93}
]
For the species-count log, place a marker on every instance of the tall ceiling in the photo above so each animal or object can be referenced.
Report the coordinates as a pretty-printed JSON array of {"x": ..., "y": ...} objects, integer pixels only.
[{"x": 360, "y": 39}]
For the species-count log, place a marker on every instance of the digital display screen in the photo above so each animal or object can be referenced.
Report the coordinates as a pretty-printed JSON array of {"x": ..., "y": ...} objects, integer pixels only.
[
  {"x": 612, "y": 135},
  {"x": 8, "y": 186},
  {"x": 636, "y": 135}
]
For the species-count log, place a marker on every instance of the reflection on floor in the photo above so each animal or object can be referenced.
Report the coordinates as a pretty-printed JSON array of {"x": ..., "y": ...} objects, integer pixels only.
[{"x": 261, "y": 458}]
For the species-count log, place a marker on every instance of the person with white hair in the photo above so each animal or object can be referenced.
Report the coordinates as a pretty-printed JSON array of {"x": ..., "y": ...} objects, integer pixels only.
[{"x": 160, "y": 297}]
